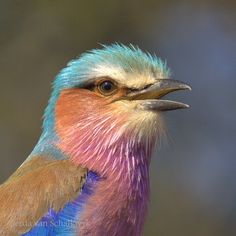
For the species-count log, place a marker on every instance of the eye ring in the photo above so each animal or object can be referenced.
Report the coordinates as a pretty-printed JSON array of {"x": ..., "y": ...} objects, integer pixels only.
[{"x": 107, "y": 87}]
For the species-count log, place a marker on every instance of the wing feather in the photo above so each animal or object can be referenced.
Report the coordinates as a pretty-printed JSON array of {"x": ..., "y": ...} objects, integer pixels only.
[{"x": 36, "y": 187}]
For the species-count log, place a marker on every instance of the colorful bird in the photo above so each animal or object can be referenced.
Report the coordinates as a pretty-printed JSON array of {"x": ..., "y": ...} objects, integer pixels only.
[{"x": 89, "y": 173}]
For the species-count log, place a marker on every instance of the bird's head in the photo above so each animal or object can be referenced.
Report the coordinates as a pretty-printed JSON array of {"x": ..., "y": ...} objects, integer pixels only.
[{"x": 109, "y": 95}]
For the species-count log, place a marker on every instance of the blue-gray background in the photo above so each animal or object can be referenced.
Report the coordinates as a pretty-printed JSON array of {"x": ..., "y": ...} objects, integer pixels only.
[{"x": 193, "y": 174}]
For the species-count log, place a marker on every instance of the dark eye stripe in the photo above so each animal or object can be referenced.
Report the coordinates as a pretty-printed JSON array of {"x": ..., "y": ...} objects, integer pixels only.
[{"x": 89, "y": 86}]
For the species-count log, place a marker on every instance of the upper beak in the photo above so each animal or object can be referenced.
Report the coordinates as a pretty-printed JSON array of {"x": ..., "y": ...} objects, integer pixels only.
[{"x": 150, "y": 96}]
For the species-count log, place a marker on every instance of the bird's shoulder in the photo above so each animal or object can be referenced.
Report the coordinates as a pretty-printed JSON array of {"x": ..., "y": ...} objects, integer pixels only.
[{"x": 39, "y": 185}]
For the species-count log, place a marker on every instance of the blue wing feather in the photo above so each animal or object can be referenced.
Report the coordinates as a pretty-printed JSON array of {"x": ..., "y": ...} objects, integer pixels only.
[{"x": 65, "y": 222}]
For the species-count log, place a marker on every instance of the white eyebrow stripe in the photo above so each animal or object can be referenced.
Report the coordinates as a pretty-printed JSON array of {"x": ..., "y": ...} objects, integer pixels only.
[
  {"x": 109, "y": 71},
  {"x": 132, "y": 79}
]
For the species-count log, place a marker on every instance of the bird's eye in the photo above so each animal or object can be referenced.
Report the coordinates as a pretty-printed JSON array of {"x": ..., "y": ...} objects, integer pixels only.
[{"x": 107, "y": 87}]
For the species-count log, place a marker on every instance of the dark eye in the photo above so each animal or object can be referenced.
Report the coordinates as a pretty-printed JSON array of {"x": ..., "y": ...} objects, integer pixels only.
[{"x": 107, "y": 87}]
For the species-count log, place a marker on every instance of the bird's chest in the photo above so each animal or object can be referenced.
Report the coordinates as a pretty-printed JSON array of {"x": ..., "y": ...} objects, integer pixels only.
[{"x": 115, "y": 208}]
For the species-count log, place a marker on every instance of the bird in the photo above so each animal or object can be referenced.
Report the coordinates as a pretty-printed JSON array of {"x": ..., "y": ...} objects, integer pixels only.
[{"x": 88, "y": 174}]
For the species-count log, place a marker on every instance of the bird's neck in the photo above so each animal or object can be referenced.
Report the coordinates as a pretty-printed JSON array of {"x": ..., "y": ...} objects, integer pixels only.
[
  {"x": 47, "y": 147},
  {"x": 121, "y": 196}
]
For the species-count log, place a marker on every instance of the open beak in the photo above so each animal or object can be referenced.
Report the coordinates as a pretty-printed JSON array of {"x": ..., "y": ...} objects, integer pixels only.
[{"x": 150, "y": 96}]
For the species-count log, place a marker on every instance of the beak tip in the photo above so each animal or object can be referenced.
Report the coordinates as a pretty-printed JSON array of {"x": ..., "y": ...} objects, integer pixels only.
[
  {"x": 187, "y": 106},
  {"x": 187, "y": 87}
]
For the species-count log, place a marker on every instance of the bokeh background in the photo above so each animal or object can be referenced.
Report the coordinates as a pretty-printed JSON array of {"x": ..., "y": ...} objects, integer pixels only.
[{"x": 193, "y": 173}]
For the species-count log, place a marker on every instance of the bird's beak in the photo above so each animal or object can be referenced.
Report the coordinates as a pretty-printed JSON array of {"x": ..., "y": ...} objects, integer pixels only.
[{"x": 150, "y": 96}]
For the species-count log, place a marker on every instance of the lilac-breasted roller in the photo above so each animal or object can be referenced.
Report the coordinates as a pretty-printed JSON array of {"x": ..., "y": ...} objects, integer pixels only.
[{"x": 89, "y": 173}]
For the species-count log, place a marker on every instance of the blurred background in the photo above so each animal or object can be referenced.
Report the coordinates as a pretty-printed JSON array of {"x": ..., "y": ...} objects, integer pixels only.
[{"x": 193, "y": 174}]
